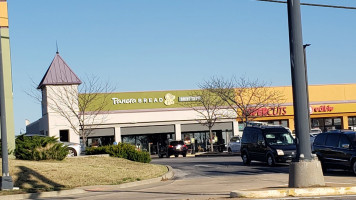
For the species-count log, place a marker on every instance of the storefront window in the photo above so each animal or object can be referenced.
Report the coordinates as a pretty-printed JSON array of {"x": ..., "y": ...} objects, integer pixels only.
[
  {"x": 142, "y": 142},
  {"x": 130, "y": 139},
  {"x": 327, "y": 124},
  {"x": 149, "y": 142},
  {"x": 200, "y": 141},
  {"x": 337, "y": 121},
  {"x": 352, "y": 123}
]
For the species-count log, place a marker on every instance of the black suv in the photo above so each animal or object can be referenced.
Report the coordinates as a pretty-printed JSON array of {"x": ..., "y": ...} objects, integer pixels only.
[
  {"x": 269, "y": 144},
  {"x": 336, "y": 149},
  {"x": 175, "y": 147}
]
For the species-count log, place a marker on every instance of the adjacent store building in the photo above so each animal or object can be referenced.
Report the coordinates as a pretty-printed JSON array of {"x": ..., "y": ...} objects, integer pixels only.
[
  {"x": 331, "y": 107},
  {"x": 148, "y": 119}
]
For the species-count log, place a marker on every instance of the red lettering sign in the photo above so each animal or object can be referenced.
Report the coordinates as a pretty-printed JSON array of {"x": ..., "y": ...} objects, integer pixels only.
[
  {"x": 322, "y": 108},
  {"x": 271, "y": 111}
]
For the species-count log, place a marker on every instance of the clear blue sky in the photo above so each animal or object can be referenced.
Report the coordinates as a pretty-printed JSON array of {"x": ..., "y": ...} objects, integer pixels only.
[{"x": 145, "y": 45}]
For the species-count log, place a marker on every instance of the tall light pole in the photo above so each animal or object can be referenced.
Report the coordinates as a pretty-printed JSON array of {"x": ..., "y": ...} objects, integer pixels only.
[
  {"x": 304, "y": 171},
  {"x": 6, "y": 180},
  {"x": 6, "y": 107},
  {"x": 306, "y": 79}
]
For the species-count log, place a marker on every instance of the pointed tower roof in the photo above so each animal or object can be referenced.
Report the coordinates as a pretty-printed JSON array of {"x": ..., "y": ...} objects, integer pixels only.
[{"x": 59, "y": 73}]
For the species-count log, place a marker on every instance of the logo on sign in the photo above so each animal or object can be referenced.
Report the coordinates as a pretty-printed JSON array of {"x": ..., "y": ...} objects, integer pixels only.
[{"x": 169, "y": 99}]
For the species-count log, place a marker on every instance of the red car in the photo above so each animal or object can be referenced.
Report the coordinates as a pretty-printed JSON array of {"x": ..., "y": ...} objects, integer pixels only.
[{"x": 175, "y": 148}]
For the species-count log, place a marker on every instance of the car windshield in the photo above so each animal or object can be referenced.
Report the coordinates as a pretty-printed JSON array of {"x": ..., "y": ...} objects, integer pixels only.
[
  {"x": 175, "y": 143},
  {"x": 352, "y": 138},
  {"x": 279, "y": 138}
]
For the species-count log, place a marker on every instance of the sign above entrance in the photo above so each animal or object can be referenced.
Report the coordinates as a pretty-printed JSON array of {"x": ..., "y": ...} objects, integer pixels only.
[
  {"x": 158, "y": 99},
  {"x": 270, "y": 111},
  {"x": 322, "y": 108}
]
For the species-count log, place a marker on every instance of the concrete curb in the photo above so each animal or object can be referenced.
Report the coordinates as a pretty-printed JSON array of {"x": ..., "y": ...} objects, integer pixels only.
[
  {"x": 166, "y": 176},
  {"x": 294, "y": 192}
]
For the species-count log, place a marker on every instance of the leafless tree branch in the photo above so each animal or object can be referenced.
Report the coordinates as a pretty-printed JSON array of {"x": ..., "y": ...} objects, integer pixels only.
[{"x": 244, "y": 96}]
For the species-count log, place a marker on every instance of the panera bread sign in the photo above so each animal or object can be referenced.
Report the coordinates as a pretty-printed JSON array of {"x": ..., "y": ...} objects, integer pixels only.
[{"x": 168, "y": 99}]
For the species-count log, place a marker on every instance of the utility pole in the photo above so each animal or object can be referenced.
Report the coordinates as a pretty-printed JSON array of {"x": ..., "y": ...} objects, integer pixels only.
[{"x": 305, "y": 171}]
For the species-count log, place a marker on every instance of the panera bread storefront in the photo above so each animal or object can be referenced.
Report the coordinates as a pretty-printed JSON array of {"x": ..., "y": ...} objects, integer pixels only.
[{"x": 150, "y": 119}]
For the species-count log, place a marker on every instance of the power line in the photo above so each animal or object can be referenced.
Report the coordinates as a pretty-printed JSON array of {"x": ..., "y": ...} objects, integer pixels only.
[{"x": 312, "y": 4}]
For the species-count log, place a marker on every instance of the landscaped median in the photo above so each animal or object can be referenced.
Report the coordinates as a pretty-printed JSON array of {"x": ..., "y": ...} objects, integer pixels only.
[{"x": 50, "y": 175}]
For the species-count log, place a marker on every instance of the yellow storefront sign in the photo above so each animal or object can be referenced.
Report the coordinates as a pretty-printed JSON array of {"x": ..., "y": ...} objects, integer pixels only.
[{"x": 315, "y": 110}]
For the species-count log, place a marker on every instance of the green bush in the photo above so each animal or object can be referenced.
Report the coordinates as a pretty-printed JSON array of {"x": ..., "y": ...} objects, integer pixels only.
[
  {"x": 121, "y": 150},
  {"x": 39, "y": 148},
  {"x": 9, "y": 152}
]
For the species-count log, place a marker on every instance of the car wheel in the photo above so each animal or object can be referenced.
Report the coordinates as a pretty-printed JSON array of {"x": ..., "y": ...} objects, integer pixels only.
[
  {"x": 354, "y": 167},
  {"x": 72, "y": 152},
  {"x": 245, "y": 159},
  {"x": 270, "y": 160},
  {"x": 229, "y": 150}
]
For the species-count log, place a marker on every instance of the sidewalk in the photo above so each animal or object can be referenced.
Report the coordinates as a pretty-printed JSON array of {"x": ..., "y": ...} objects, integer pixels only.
[
  {"x": 276, "y": 186},
  {"x": 253, "y": 186}
]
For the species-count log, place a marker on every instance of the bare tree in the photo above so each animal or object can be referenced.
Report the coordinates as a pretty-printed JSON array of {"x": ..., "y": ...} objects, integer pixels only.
[
  {"x": 210, "y": 109},
  {"x": 245, "y": 97},
  {"x": 84, "y": 107}
]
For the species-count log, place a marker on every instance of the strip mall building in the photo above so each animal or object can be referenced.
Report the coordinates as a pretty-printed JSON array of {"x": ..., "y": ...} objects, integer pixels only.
[{"x": 146, "y": 119}]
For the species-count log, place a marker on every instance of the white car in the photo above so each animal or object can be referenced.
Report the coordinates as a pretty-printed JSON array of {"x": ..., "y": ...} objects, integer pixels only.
[
  {"x": 234, "y": 144},
  {"x": 74, "y": 149}
]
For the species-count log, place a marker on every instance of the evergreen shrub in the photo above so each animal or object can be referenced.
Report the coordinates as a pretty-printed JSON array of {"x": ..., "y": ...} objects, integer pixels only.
[
  {"x": 121, "y": 150},
  {"x": 39, "y": 148}
]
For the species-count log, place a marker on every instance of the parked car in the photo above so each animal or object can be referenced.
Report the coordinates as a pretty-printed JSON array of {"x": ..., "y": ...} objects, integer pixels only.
[
  {"x": 315, "y": 131},
  {"x": 271, "y": 144},
  {"x": 336, "y": 149},
  {"x": 234, "y": 144},
  {"x": 174, "y": 147},
  {"x": 312, "y": 138},
  {"x": 74, "y": 149}
]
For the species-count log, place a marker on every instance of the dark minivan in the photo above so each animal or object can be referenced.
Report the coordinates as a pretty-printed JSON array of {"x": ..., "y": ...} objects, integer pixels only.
[
  {"x": 271, "y": 144},
  {"x": 336, "y": 149}
]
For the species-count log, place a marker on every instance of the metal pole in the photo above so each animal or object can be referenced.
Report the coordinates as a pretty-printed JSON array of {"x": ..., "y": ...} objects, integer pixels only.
[
  {"x": 6, "y": 180},
  {"x": 299, "y": 83},
  {"x": 306, "y": 79}
]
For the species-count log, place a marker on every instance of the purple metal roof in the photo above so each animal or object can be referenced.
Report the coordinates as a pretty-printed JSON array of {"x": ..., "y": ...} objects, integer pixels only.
[{"x": 59, "y": 73}]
